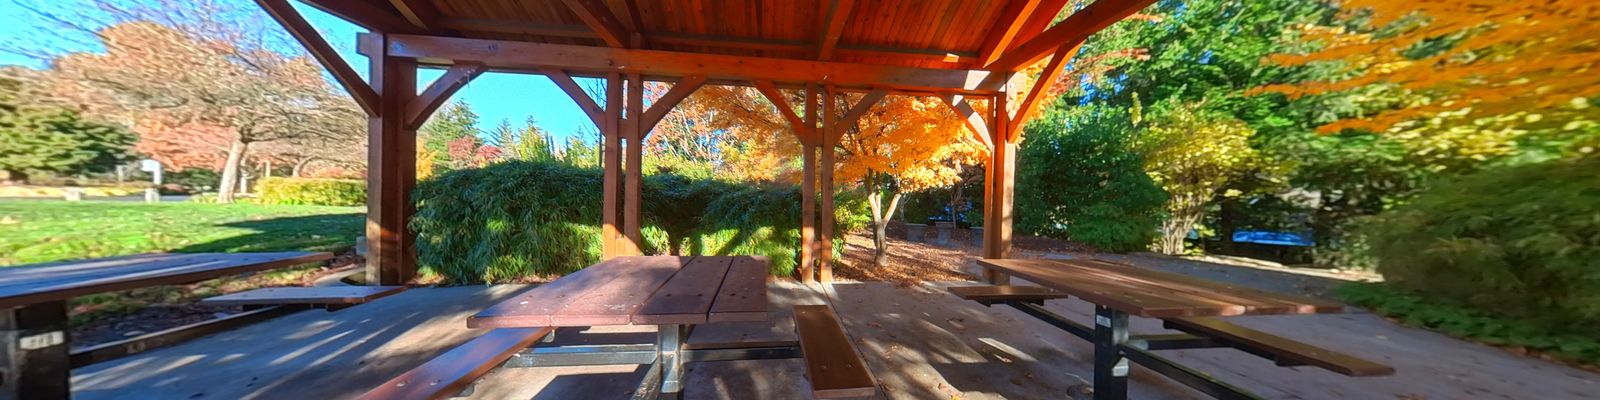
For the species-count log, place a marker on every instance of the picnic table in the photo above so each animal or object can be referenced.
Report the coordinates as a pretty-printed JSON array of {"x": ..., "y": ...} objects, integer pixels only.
[
  {"x": 674, "y": 294},
  {"x": 35, "y": 355},
  {"x": 1184, "y": 303}
]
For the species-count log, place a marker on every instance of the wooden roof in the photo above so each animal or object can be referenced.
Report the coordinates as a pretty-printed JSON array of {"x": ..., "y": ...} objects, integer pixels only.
[{"x": 941, "y": 34}]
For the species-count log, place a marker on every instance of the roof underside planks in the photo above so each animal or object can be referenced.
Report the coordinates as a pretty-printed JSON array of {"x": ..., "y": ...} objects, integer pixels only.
[{"x": 940, "y": 34}]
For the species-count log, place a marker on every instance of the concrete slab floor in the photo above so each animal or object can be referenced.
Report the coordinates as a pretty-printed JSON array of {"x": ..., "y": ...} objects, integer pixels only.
[{"x": 920, "y": 342}]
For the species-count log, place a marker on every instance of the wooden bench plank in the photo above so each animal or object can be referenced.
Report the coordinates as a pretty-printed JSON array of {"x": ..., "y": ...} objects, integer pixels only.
[
  {"x": 1001, "y": 293},
  {"x": 832, "y": 363},
  {"x": 305, "y": 295},
  {"x": 448, "y": 374},
  {"x": 40, "y": 283},
  {"x": 743, "y": 297},
  {"x": 686, "y": 297},
  {"x": 1283, "y": 347}
]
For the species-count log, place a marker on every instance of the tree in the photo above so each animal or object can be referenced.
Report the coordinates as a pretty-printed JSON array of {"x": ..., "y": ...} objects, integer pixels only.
[
  {"x": 900, "y": 145},
  {"x": 1080, "y": 176},
  {"x": 1193, "y": 154},
  {"x": 1459, "y": 59},
  {"x": 49, "y": 139},
  {"x": 447, "y": 128},
  {"x": 532, "y": 143},
  {"x": 181, "y": 78}
]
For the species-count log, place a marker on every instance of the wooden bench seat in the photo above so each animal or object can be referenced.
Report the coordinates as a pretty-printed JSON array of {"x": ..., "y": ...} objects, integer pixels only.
[
  {"x": 449, "y": 373},
  {"x": 1284, "y": 350},
  {"x": 990, "y": 294},
  {"x": 332, "y": 296},
  {"x": 834, "y": 367}
]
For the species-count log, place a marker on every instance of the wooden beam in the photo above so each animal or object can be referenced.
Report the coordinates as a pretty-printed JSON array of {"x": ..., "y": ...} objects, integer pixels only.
[
  {"x": 585, "y": 103},
  {"x": 1042, "y": 17},
  {"x": 1076, "y": 28},
  {"x": 835, "y": 12},
  {"x": 856, "y": 111},
  {"x": 515, "y": 55},
  {"x": 391, "y": 169},
  {"x": 1012, "y": 19},
  {"x": 368, "y": 15},
  {"x": 633, "y": 165},
  {"x": 953, "y": 57},
  {"x": 421, "y": 108},
  {"x": 825, "y": 214},
  {"x": 611, "y": 167},
  {"x": 999, "y": 186},
  {"x": 808, "y": 188},
  {"x": 635, "y": 22},
  {"x": 599, "y": 18},
  {"x": 323, "y": 53},
  {"x": 772, "y": 94},
  {"x": 664, "y": 105},
  {"x": 419, "y": 12},
  {"x": 1041, "y": 87},
  {"x": 975, "y": 121}
]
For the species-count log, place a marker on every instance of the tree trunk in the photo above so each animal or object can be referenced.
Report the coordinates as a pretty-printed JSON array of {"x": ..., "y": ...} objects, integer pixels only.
[
  {"x": 1185, "y": 210},
  {"x": 300, "y": 167},
  {"x": 230, "y": 171},
  {"x": 880, "y": 225}
]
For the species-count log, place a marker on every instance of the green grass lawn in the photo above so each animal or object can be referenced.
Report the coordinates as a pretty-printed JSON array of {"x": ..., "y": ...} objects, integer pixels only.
[{"x": 33, "y": 231}]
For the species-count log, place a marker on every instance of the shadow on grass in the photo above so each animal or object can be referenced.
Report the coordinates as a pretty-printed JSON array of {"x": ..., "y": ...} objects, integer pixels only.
[{"x": 326, "y": 232}]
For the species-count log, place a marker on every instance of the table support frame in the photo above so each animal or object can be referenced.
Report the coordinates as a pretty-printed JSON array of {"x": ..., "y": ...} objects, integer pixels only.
[
  {"x": 1115, "y": 347},
  {"x": 666, "y": 357}
]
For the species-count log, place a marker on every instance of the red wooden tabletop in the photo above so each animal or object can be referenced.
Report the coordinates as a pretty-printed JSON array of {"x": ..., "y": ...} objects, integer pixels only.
[
  {"x": 645, "y": 290},
  {"x": 1149, "y": 293},
  {"x": 40, "y": 283}
]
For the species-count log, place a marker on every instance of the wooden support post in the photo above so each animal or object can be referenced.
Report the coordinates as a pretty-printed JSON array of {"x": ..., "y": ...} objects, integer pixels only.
[
  {"x": 999, "y": 181},
  {"x": 633, "y": 164},
  {"x": 808, "y": 187},
  {"x": 829, "y": 140},
  {"x": 611, "y": 164},
  {"x": 33, "y": 358},
  {"x": 391, "y": 167}
]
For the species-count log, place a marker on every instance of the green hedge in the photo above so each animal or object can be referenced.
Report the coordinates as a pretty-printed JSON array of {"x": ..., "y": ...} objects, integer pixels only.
[
  {"x": 1521, "y": 242},
  {"x": 517, "y": 219},
  {"x": 316, "y": 192},
  {"x": 1080, "y": 178}
]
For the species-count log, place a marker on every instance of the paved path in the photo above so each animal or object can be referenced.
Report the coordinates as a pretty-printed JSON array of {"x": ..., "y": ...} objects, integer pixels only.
[{"x": 920, "y": 342}]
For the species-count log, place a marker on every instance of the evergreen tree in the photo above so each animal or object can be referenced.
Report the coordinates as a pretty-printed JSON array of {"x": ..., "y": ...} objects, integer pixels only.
[
  {"x": 533, "y": 143},
  {"x": 38, "y": 139},
  {"x": 456, "y": 122}
]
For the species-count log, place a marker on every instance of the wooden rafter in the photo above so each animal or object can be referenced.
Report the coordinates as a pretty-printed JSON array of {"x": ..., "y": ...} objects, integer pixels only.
[
  {"x": 511, "y": 55},
  {"x": 1042, "y": 17},
  {"x": 323, "y": 53},
  {"x": 368, "y": 15},
  {"x": 1075, "y": 28},
  {"x": 772, "y": 94},
  {"x": 419, "y": 12},
  {"x": 974, "y": 120},
  {"x": 664, "y": 105},
  {"x": 595, "y": 14},
  {"x": 1041, "y": 87},
  {"x": 714, "y": 41},
  {"x": 835, "y": 12},
  {"x": 585, "y": 103},
  {"x": 1016, "y": 15},
  {"x": 856, "y": 111},
  {"x": 440, "y": 90}
]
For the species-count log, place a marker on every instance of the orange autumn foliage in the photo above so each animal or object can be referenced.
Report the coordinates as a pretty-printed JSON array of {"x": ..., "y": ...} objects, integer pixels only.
[{"x": 1533, "y": 57}]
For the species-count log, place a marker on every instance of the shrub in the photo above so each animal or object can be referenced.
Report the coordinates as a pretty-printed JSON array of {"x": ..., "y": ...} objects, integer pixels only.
[
  {"x": 1520, "y": 242},
  {"x": 1562, "y": 342},
  {"x": 314, "y": 192},
  {"x": 1079, "y": 178},
  {"x": 527, "y": 218}
]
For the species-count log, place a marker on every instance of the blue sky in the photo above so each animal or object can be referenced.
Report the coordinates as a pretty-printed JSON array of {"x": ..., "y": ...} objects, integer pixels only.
[{"x": 494, "y": 96}]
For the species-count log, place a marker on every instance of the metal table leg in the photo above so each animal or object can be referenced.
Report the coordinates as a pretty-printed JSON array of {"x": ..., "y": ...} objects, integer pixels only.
[
  {"x": 33, "y": 358},
  {"x": 1110, "y": 367},
  {"x": 669, "y": 341}
]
